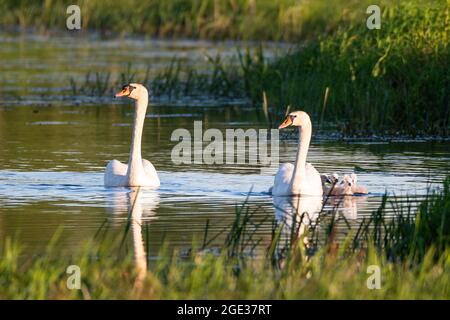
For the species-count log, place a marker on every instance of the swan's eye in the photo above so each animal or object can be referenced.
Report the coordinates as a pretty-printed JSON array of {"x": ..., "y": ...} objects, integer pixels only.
[{"x": 127, "y": 89}]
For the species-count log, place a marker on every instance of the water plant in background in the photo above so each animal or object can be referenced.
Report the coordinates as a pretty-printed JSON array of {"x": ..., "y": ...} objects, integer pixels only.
[
  {"x": 177, "y": 80},
  {"x": 412, "y": 251},
  {"x": 393, "y": 80}
]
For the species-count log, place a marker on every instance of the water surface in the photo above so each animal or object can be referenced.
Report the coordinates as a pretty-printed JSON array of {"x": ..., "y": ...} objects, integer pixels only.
[{"x": 54, "y": 148}]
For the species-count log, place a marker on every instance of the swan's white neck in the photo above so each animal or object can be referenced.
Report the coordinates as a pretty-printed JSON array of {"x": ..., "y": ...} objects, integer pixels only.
[
  {"x": 135, "y": 167},
  {"x": 300, "y": 162}
]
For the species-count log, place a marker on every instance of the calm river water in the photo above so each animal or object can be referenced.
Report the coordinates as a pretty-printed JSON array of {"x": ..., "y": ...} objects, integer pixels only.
[{"x": 54, "y": 148}]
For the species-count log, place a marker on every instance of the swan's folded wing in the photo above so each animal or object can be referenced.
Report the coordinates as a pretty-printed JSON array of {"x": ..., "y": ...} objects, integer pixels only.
[
  {"x": 116, "y": 167},
  {"x": 284, "y": 174},
  {"x": 283, "y": 179},
  {"x": 150, "y": 171},
  {"x": 115, "y": 174}
]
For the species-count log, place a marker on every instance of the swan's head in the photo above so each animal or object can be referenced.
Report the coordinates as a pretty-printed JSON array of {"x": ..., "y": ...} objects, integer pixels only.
[
  {"x": 346, "y": 184},
  {"x": 296, "y": 119},
  {"x": 133, "y": 91},
  {"x": 332, "y": 178}
]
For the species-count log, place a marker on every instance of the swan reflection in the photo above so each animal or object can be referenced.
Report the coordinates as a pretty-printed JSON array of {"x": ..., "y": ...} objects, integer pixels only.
[
  {"x": 138, "y": 203},
  {"x": 346, "y": 206},
  {"x": 297, "y": 213}
]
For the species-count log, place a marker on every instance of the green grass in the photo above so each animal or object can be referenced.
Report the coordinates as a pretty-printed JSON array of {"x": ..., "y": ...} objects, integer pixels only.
[
  {"x": 387, "y": 81},
  {"x": 177, "y": 80},
  {"x": 412, "y": 251},
  {"x": 211, "y": 19}
]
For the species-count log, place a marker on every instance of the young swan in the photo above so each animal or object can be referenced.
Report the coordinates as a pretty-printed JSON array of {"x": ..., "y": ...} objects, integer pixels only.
[
  {"x": 300, "y": 178},
  {"x": 328, "y": 182},
  {"x": 358, "y": 189},
  {"x": 343, "y": 187},
  {"x": 347, "y": 186}
]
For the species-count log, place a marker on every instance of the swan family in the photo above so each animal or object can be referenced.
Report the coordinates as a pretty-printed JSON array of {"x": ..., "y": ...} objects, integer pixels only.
[{"x": 299, "y": 178}]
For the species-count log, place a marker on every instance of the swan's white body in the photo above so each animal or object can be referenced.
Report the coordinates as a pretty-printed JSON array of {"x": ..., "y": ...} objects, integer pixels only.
[
  {"x": 138, "y": 172},
  {"x": 117, "y": 175},
  {"x": 300, "y": 178}
]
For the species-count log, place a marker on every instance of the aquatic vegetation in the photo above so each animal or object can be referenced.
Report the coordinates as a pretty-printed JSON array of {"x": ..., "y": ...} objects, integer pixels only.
[
  {"x": 411, "y": 250},
  {"x": 388, "y": 81},
  {"x": 175, "y": 81}
]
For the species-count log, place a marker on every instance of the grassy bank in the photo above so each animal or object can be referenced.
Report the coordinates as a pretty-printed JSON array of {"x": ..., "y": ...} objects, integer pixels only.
[
  {"x": 412, "y": 251},
  {"x": 211, "y": 19},
  {"x": 388, "y": 81}
]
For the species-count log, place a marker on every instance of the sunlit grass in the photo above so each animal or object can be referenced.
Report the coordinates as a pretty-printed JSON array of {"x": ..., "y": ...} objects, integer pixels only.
[
  {"x": 236, "y": 19},
  {"x": 388, "y": 81}
]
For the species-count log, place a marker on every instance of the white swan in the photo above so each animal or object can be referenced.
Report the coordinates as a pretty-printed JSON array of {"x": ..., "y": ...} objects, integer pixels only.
[
  {"x": 139, "y": 172},
  {"x": 300, "y": 178}
]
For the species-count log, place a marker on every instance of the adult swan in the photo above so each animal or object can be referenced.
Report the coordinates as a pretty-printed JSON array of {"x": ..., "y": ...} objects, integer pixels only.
[
  {"x": 139, "y": 172},
  {"x": 300, "y": 178}
]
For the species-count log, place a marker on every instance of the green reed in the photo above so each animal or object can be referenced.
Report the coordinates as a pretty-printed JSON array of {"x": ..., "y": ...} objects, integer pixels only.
[
  {"x": 388, "y": 81},
  {"x": 177, "y": 80}
]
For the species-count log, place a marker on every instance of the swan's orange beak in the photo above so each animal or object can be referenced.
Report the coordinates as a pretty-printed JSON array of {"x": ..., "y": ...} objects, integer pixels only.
[
  {"x": 286, "y": 123},
  {"x": 124, "y": 93}
]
